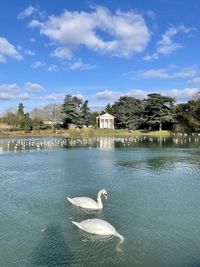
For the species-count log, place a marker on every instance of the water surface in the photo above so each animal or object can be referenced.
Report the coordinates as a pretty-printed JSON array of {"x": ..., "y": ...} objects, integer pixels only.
[{"x": 153, "y": 201}]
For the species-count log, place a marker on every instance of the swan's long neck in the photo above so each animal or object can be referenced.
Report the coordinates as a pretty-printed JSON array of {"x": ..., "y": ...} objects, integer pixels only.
[
  {"x": 99, "y": 202},
  {"x": 121, "y": 238},
  {"x": 120, "y": 242}
]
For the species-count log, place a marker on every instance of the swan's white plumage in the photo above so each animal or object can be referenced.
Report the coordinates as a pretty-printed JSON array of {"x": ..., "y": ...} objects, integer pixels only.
[
  {"x": 83, "y": 202},
  {"x": 89, "y": 203},
  {"x": 98, "y": 227}
]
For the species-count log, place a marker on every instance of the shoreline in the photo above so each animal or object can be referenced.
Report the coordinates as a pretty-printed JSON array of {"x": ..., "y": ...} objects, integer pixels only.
[{"x": 85, "y": 133}]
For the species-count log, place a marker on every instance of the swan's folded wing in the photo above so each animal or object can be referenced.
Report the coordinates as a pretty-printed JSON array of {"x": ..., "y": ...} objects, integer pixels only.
[
  {"x": 84, "y": 202},
  {"x": 97, "y": 226}
]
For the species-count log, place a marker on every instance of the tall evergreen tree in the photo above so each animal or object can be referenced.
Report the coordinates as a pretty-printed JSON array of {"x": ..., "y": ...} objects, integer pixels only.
[
  {"x": 20, "y": 110},
  {"x": 108, "y": 109},
  {"x": 19, "y": 120},
  {"x": 27, "y": 122},
  {"x": 159, "y": 110},
  {"x": 127, "y": 111},
  {"x": 94, "y": 120},
  {"x": 75, "y": 111},
  {"x": 72, "y": 110},
  {"x": 86, "y": 114},
  {"x": 188, "y": 115}
]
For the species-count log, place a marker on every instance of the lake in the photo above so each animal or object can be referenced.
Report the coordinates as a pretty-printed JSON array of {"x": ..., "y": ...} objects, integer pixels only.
[{"x": 153, "y": 189}]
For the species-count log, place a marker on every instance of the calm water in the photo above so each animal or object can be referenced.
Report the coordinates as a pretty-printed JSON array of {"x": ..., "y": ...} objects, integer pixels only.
[{"x": 153, "y": 201}]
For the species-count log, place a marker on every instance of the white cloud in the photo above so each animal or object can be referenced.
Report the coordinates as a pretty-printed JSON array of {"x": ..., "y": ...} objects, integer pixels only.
[
  {"x": 166, "y": 45},
  {"x": 33, "y": 87},
  {"x": 111, "y": 96},
  {"x": 35, "y": 23},
  {"x": 163, "y": 73},
  {"x": 14, "y": 92},
  {"x": 11, "y": 92},
  {"x": 2, "y": 59},
  {"x": 9, "y": 96},
  {"x": 8, "y": 50},
  {"x": 6, "y": 96},
  {"x": 25, "y": 51},
  {"x": 30, "y": 11},
  {"x": 151, "y": 57},
  {"x": 79, "y": 65},
  {"x": 54, "y": 96},
  {"x": 27, "y": 12},
  {"x": 195, "y": 81},
  {"x": 32, "y": 40},
  {"x": 107, "y": 95},
  {"x": 121, "y": 34},
  {"x": 151, "y": 14},
  {"x": 168, "y": 49},
  {"x": 137, "y": 93},
  {"x": 19, "y": 47},
  {"x": 38, "y": 64},
  {"x": 29, "y": 52},
  {"x": 185, "y": 73},
  {"x": 11, "y": 88},
  {"x": 181, "y": 95},
  {"x": 24, "y": 96},
  {"x": 62, "y": 52},
  {"x": 79, "y": 96},
  {"x": 153, "y": 73},
  {"x": 184, "y": 94},
  {"x": 52, "y": 68}
]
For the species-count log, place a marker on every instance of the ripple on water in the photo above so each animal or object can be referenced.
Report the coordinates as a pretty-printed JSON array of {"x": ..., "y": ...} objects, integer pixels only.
[{"x": 153, "y": 201}]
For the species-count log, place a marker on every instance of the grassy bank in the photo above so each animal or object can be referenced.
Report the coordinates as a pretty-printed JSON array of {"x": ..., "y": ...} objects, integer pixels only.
[
  {"x": 84, "y": 133},
  {"x": 114, "y": 133}
]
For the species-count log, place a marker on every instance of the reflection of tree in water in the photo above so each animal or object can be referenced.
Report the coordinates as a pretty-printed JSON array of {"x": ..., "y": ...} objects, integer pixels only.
[
  {"x": 52, "y": 250},
  {"x": 168, "y": 162},
  {"x": 163, "y": 162},
  {"x": 159, "y": 163},
  {"x": 155, "y": 163}
]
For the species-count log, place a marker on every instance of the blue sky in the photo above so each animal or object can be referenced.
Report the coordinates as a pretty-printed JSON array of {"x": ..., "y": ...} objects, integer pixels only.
[{"x": 97, "y": 50}]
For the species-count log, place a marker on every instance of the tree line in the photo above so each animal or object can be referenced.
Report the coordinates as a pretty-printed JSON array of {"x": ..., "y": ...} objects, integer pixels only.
[{"x": 156, "y": 112}]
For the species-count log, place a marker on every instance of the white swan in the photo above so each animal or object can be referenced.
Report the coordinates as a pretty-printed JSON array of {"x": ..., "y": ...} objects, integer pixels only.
[
  {"x": 89, "y": 203},
  {"x": 99, "y": 227}
]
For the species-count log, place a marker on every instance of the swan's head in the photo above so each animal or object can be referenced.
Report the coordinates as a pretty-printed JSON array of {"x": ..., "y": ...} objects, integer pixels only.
[{"x": 104, "y": 193}]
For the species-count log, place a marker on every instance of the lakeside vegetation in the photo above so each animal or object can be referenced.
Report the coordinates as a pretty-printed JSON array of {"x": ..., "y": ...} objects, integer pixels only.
[
  {"x": 85, "y": 133},
  {"x": 156, "y": 116}
]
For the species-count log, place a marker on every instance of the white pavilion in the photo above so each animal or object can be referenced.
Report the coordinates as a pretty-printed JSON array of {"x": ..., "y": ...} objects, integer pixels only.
[{"x": 106, "y": 121}]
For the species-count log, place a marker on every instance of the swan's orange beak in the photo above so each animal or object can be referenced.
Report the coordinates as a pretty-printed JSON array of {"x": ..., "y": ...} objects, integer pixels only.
[{"x": 105, "y": 195}]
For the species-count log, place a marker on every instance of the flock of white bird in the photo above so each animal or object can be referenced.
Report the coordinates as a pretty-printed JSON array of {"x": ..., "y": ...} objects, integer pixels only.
[
  {"x": 100, "y": 142},
  {"x": 94, "y": 226}
]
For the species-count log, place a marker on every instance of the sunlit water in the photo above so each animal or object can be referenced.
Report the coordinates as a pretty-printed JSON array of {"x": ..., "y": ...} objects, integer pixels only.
[{"x": 153, "y": 201}]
